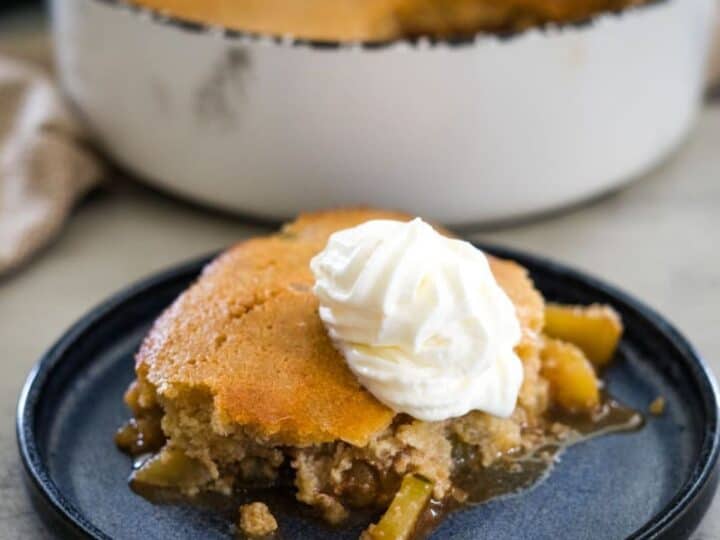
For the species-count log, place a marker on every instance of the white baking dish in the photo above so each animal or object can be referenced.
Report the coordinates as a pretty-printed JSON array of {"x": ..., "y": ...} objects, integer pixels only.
[{"x": 477, "y": 131}]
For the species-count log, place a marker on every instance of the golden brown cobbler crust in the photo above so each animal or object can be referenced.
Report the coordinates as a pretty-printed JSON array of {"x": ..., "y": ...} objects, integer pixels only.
[
  {"x": 247, "y": 334},
  {"x": 381, "y": 20}
]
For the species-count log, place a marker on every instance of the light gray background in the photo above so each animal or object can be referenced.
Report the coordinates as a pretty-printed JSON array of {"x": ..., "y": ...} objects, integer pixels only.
[{"x": 658, "y": 239}]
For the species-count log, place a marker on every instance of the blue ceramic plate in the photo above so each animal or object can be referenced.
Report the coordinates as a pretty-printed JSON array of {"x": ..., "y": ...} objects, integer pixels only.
[{"x": 653, "y": 483}]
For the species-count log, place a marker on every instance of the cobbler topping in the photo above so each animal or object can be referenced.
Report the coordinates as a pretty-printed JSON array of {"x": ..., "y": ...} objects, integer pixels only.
[
  {"x": 420, "y": 319},
  {"x": 257, "y": 520}
]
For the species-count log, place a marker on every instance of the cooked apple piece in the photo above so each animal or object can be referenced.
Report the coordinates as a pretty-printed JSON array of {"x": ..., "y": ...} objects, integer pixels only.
[
  {"x": 596, "y": 329},
  {"x": 573, "y": 383},
  {"x": 400, "y": 518},
  {"x": 172, "y": 468}
]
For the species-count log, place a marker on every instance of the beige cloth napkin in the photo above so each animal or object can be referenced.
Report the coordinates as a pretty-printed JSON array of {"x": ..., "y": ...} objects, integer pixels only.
[{"x": 44, "y": 164}]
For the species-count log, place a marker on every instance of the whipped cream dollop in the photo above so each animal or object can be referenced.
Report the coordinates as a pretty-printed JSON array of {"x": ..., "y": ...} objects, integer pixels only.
[{"x": 420, "y": 319}]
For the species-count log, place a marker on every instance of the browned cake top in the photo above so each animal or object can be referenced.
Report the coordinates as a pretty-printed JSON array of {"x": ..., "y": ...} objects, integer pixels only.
[
  {"x": 248, "y": 332},
  {"x": 373, "y": 20}
]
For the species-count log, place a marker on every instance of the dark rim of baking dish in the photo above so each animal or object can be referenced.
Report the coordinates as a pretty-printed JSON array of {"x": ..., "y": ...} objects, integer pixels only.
[
  {"x": 418, "y": 42},
  {"x": 681, "y": 514}
]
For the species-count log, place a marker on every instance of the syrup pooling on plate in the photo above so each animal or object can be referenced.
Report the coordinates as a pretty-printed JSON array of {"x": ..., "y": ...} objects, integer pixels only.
[
  {"x": 517, "y": 473},
  {"x": 475, "y": 483},
  {"x": 522, "y": 471}
]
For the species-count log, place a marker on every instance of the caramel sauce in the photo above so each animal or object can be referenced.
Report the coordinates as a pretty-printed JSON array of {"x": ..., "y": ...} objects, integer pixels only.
[
  {"x": 280, "y": 498},
  {"x": 140, "y": 435},
  {"x": 474, "y": 484},
  {"x": 517, "y": 473}
]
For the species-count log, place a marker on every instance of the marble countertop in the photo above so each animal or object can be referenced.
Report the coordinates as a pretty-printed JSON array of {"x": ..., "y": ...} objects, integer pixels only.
[{"x": 657, "y": 238}]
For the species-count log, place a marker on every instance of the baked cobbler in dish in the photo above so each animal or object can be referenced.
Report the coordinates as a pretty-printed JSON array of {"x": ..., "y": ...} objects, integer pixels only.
[{"x": 382, "y": 20}]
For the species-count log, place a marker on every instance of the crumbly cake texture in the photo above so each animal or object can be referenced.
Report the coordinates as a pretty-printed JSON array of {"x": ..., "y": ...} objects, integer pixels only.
[
  {"x": 257, "y": 520},
  {"x": 245, "y": 379}
]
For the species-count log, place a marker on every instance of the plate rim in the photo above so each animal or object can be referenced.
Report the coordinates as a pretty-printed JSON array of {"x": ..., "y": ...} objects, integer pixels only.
[{"x": 682, "y": 512}]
